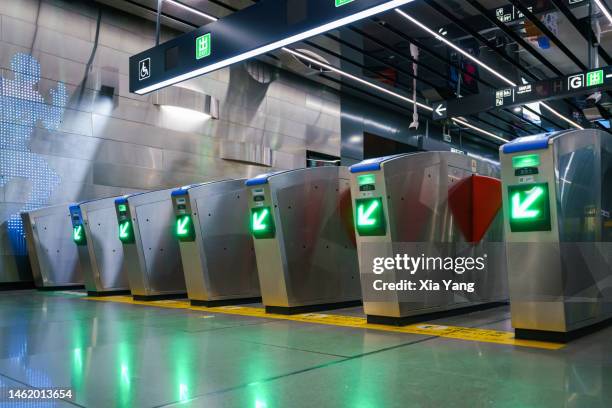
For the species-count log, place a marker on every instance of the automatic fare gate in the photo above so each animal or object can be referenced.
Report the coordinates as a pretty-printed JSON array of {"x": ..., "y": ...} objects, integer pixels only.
[
  {"x": 53, "y": 255},
  {"x": 558, "y": 201},
  {"x": 432, "y": 208},
  {"x": 304, "y": 239},
  {"x": 151, "y": 254},
  {"x": 216, "y": 246},
  {"x": 100, "y": 253}
]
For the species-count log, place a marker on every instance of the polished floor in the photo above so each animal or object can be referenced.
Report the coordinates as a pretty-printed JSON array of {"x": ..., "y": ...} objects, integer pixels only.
[{"x": 121, "y": 355}]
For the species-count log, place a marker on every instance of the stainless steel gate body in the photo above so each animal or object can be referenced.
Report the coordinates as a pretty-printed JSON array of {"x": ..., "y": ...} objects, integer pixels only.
[
  {"x": 412, "y": 192},
  {"x": 557, "y": 202},
  {"x": 152, "y": 261},
  {"x": 53, "y": 255},
  {"x": 218, "y": 255},
  {"x": 304, "y": 239},
  {"x": 101, "y": 255}
]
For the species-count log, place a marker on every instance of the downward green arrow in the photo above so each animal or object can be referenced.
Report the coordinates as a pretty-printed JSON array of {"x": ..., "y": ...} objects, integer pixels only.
[
  {"x": 521, "y": 209},
  {"x": 182, "y": 226},
  {"x": 123, "y": 230},
  {"x": 258, "y": 219},
  {"x": 77, "y": 233},
  {"x": 363, "y": 217}
]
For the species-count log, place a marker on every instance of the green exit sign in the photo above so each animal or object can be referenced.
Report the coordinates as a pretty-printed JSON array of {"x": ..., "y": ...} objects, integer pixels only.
[
  {"x": 343, "y": 2},
  {"x": 203, "y": 46},
  {"x": 529, "y": 207},
  {"x": 126, "y": 232},
  {"x": 78, "y": 235},
  {"x": 370, "y": 217},
  {"x": 262, "y": 223},
  {"x": 184, "y": 229},
  {"x": 595, "y": 78}
]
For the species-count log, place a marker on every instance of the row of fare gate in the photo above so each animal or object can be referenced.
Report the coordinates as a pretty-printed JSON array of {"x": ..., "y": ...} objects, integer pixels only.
[{"x": 307, "y": 239}]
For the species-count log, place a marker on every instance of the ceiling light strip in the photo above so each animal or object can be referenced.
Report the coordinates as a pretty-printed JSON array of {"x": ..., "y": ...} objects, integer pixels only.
[
  {"x": 604, "y": 10},
  {"x": 476, "y": 128},
  {"x": 191, "y": 9},
  {"x": 560, "y": 116},
  {"x": 381, "y": 8}
]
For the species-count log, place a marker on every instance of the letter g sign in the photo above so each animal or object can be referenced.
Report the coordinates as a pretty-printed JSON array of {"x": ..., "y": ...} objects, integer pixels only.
[{"x": 575, "y": 81}]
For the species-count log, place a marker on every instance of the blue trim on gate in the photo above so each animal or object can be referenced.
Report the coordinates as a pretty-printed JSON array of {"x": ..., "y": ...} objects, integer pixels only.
[{"x": 525, "y": 143}]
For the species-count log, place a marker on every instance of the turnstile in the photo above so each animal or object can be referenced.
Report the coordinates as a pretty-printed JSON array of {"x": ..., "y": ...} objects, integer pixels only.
[
  {"x": 557, "y": 190},
  {"x": 301, "y": 224},
  {"x": 432, "y": 210},
  {"x": 53, "y": 255},
  {"x": 100, "y": 252},
  {"x": 151, "y": 253},
  {"x": 216, "y": 246}
]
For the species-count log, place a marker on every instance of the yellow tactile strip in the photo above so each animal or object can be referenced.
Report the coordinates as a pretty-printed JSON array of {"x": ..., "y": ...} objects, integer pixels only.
[{"x": 451, "y": 332}]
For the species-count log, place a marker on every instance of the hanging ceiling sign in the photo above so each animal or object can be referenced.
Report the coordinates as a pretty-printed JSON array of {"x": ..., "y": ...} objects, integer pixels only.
[
  {"x": 255, "y": 30},
  {"x": 570, "y": 85},
  {"x": 508, "y": 13}
]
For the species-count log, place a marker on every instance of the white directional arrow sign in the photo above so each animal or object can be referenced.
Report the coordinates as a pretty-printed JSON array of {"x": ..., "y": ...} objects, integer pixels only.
[
  {"x": 363, "y": 216},
  {"x": 439, "y": 111},
  {"x": 521, "y": 209},
  {"x": 258, "y": 224}
]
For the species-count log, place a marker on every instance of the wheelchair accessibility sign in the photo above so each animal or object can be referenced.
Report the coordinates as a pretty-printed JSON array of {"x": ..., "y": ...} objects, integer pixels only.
[{"x": 144, "y": 69}]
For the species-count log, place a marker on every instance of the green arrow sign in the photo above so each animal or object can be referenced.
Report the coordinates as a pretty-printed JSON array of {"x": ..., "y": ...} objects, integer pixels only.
[
  {"x": 78, "y": 230},
  {"x": 184, "y": 228},
  {"x": 520, "y": 207},
  {"x": 123, "y": 230},
  {"x": 365, "y": 215},
  {"x": 262, "y": 223},
  {"x": 126, "y": 232},
  {"x": 258, "y": 220},
  {"x": 529, "y": 207},
  {"x": 78, "y": 235},
  {"x": 370, "y": 217}
]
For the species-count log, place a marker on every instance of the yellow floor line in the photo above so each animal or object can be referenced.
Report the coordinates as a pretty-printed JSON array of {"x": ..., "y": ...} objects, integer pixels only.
[{"x": 451, "y": 332}]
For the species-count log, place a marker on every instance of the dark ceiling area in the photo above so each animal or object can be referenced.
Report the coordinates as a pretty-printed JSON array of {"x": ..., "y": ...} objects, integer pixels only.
[{"x": 444, "y": 50}]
